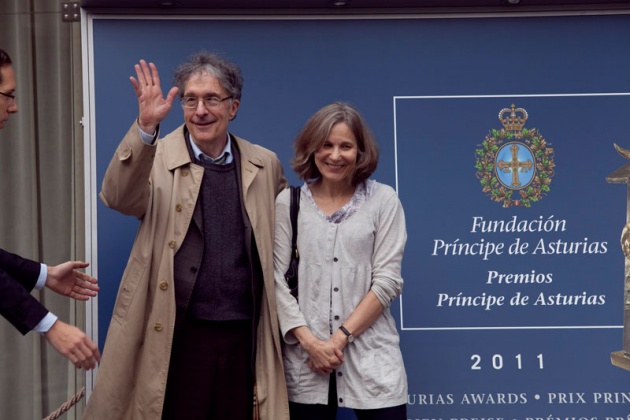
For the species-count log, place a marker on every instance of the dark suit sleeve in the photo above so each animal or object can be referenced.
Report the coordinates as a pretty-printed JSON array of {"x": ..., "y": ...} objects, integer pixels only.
[
  {"x": 23, "y": 270},
  {"x": 18, "y": 276}
]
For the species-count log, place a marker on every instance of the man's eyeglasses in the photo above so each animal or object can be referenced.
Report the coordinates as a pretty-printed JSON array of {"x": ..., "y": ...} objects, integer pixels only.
[
  {"x": 11, "y": 97},
  {"x": 191, "y": 102}
]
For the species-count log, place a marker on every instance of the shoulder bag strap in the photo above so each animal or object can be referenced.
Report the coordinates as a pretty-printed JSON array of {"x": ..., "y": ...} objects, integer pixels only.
[{"x": 295, "y": 208}]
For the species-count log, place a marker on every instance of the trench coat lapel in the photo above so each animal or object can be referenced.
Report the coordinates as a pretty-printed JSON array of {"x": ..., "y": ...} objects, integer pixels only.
[
  {"x": 251, "y": 163},
  {"x": 176, "y": 152}
]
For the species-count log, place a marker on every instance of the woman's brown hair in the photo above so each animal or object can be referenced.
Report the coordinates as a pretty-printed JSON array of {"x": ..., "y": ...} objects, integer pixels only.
[{"x": 315, "y": 133}]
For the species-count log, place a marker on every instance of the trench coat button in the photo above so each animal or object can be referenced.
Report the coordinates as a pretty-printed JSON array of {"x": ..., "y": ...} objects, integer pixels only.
[
  {"x": 336, "y": 317},
  {"x": 336, "y": 289},
  {"x": 163, "y": 285},
  {"x": 339, "y": 374},
  {"x": 178, "y": 208},
  {"x": 171, "y": 244},
  {"x": 335, "y": 259},
  {"x": 185, "y": 172},
  {"x": 157, "y": 326}
]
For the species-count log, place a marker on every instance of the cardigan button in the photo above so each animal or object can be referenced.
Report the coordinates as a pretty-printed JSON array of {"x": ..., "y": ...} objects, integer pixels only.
[
  {"x": 163, "y": 285},
  {"x": 335, "y": 259},
  {"x": 157, "y": 326}
]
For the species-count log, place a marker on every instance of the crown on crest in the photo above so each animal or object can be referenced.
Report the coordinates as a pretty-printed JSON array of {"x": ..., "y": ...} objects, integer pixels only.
[{"x": 513, "y": 119}]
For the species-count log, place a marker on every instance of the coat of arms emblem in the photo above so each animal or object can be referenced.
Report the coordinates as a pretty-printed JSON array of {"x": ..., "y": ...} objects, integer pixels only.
[{"x": 515, "y": 164}]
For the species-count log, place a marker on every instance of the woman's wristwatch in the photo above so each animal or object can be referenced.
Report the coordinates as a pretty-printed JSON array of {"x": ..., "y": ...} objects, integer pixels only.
[{"x": 347, "y": 333}]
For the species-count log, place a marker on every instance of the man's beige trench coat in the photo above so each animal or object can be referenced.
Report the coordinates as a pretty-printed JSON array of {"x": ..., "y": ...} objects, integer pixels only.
[{"x": 159, "y": 184}]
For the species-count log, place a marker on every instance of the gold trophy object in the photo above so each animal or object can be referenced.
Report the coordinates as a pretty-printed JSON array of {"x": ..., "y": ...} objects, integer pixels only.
[{"x": 622, "y": 176}]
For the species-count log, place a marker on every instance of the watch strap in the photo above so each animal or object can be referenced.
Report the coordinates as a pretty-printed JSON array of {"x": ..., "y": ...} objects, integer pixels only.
[{"x": 347, "y": 333}]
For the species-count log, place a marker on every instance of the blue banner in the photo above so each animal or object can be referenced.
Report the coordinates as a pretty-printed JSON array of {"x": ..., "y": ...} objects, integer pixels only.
[{"x": 498, "y": 134}]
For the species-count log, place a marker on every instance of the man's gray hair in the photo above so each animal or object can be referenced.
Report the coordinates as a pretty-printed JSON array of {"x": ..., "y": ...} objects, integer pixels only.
[{"x": 227, "y": 73}]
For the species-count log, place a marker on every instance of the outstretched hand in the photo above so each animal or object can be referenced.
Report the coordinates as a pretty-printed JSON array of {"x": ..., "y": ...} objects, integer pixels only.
[
  {"x": 66, "y": 280},
  {"x": 153, "y": 107},
  {"x": 73, "y": 344}
]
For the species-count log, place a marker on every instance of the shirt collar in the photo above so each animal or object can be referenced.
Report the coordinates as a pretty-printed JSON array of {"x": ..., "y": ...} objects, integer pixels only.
[{"x": 227, "y": 151}]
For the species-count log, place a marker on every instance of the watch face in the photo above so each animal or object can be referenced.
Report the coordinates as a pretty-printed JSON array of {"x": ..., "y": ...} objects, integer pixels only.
[{"x": 350, "y": 338}]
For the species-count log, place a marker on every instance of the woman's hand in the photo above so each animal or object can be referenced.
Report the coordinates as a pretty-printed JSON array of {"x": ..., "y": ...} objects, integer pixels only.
[{"x": 324, "y": 356}]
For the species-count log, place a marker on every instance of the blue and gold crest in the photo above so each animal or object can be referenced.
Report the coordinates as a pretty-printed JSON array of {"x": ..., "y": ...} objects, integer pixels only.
[{"x": 515, "y": 164}]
